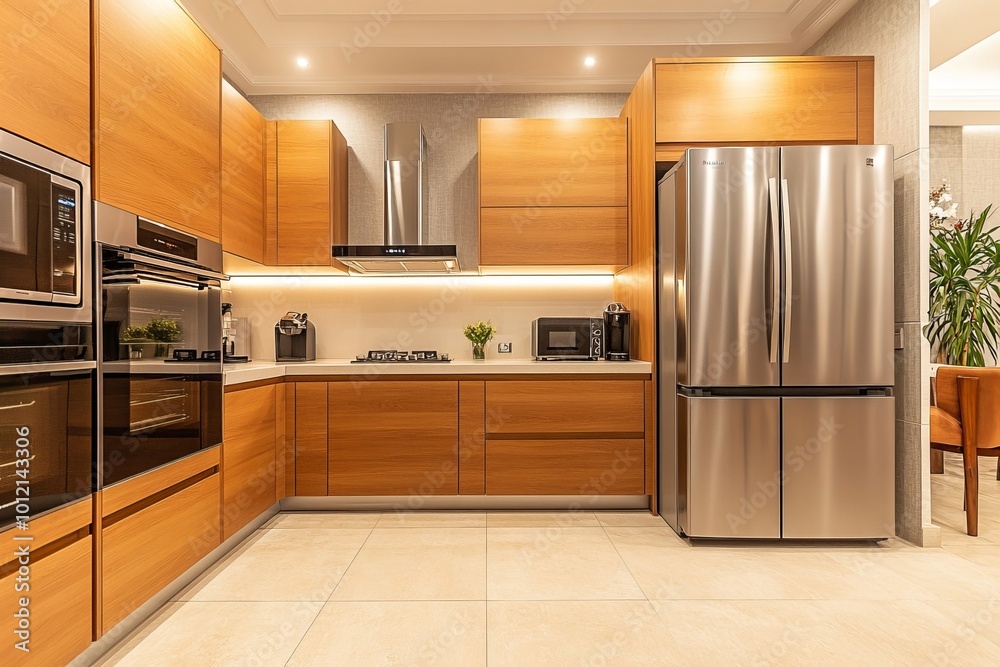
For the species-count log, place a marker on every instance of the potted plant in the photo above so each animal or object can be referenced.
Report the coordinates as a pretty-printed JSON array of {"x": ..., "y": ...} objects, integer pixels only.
[
  {"x": 965, "y": 284},
  {"x": 480, "y": 334}
]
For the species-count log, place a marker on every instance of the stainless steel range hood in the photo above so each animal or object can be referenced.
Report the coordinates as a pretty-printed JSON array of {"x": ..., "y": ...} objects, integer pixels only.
[{"x": 406, "y": 248}]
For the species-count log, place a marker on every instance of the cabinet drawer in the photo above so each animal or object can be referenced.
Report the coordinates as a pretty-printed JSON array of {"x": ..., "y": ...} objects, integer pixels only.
[
  {"x": 756, "y": 102},
  {"x": 565, "y": 406},
  {"x": 553, "y": 236},
  {"x": 564, "y": 467},
  {"x": 145, "y": 551},
  {"x": 60, "y": 608}
]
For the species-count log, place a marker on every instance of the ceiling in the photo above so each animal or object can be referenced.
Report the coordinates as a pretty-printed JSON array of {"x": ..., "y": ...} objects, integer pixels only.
[
  {"x": 397, "y": 46},
  {"x": 964, "y": 81}
]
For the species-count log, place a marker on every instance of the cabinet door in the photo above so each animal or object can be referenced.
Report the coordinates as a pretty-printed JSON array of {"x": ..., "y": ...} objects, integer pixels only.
[
  {"x": 310, "y": 438},
  {"x": 565, "y": 467},
  {"x": 393, "y": 438},
  {"x": 593, "y": 236},
  {"x": 45, "y": 73},
  {"x": 158, "y": 112},
  {"x": 248, "y": 456},
  {"x": 755, "y": 102},
  {"x": 532, "y": 162},
  {"x": 242, "y": 176},
  {"x": 311, "y": 191},
  {"x": 146, "y": 550}
]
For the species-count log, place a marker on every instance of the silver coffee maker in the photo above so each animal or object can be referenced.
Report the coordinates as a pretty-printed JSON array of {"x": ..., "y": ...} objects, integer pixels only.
[{"x": 294, "y": 338}]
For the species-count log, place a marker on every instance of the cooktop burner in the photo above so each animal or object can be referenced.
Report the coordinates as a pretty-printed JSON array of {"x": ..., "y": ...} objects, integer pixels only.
[{"x": 399, "y": 357}]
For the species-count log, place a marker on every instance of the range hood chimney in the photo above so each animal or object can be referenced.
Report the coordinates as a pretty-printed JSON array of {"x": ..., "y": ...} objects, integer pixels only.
[{"x": 406, "y": 248}]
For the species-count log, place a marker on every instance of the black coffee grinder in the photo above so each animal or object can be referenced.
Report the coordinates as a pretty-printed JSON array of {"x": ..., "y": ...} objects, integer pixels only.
[{"x": 616, "y": 332}]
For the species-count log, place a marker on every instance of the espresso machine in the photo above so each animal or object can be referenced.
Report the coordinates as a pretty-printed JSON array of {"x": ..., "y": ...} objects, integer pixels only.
[
  {"x": 616, "y": 332},
  {"x": 235, "y": 337},
  {"x": 294, "y": 338}
]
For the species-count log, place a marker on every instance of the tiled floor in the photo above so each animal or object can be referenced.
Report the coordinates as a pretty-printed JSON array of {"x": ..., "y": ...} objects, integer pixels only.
[{"x": 527, "y": 589}]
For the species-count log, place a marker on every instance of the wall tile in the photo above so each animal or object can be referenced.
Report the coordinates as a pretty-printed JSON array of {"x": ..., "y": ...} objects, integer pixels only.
[
  {"x": 911, "y": 237},
  {"x": 912, "y": 389},
  {"x": 909, "y": 489}
]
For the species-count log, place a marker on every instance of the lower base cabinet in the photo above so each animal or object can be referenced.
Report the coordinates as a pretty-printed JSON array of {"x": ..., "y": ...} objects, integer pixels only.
[
  {"x": 393, "y": 438},
  {"x": 249, "y": 475},
  {"x": 146, "y": 550},
  {"x": 565, "y": 467},
  {"x": 60, "y": 603}
]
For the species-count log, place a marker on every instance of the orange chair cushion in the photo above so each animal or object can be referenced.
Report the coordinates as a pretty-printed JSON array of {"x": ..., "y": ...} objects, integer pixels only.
[{"x": 945, "y": 429}]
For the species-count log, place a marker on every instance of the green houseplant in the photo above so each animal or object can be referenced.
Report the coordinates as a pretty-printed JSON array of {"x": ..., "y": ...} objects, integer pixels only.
[
  {"x": 480, "y": 333},
  {"x": 964, "y": 290}
]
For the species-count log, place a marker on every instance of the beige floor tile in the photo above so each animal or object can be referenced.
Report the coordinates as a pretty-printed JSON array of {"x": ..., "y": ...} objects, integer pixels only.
[
  {"x": 418, "y": 564},
  {"x": 556, "y": 564},
  {"x": 762, "y": 632},
  {"x": 592, "y": 632},
  {"x": 661, "y": 537},
  {"x": 283, "y": 565},
  {"x": 938, "y": 574},
  {"x": 432, "y": 520},
  {"x": 547, "y": 519},
  {"x": 968, "y": 619},
  {"x": 987, "y": 557},
  {"x": 324, "y": 520},
  {"x": 706, "y": 572},
  {"x": 639, "y": 518},
  {"x": 223, "y": 634},
  {"x": 395, "y": 633}
]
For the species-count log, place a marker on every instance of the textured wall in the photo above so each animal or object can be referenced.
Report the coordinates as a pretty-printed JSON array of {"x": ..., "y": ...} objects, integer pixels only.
[
  {"x": 354, "y": 315},
  {"x": 896, "y": 33},
  {"x": 969, "y": 157},
  {"x": 946, "y": 163},
  {"x": 451, "y": 127}
]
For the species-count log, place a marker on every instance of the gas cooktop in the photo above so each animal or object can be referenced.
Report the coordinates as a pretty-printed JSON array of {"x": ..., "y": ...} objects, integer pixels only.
[{"x": 399, "y": 357}]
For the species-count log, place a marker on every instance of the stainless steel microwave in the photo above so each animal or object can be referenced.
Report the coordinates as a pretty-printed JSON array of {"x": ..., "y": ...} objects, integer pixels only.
[
  {"x": 567, "y": 338},
  {"x": 44, "y": 234}
]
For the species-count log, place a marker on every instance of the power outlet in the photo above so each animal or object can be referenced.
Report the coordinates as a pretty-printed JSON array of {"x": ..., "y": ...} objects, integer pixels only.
[{"x": 504, "y": 348}]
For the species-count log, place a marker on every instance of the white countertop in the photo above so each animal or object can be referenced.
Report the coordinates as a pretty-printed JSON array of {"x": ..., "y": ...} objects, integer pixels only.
[{"x": 265, "y": 370}]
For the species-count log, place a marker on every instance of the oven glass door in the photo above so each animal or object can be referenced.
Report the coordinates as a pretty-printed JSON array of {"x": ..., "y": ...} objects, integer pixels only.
[
  {"x": 155, "y": 409},
  {"x": 46, "y": 446},
  {"x": 39, "y": 225},
  {"x": 564, "y": 338}
]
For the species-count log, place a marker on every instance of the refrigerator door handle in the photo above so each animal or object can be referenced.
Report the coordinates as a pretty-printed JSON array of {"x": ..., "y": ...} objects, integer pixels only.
[
  {"x": 787, "y": 228},
  {"x": 773, "y": 342}
]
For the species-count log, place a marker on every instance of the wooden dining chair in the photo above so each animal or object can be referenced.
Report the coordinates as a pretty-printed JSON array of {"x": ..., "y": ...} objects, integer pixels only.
[{"x": 966, "y": 421}]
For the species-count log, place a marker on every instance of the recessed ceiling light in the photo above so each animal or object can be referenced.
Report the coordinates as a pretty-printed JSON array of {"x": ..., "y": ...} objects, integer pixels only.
[
  {"x": 302, "y": 62},
  {"x": 590, "y": 61}
]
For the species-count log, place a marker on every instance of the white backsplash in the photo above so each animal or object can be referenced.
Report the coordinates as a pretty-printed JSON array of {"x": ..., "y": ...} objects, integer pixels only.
[{"x": 354, "y": 315}]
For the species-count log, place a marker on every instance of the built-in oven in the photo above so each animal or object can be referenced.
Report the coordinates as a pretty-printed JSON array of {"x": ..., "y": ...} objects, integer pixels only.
[
  {"x": 45, "y": 220},
  {"x": 567, "y": 338},
  {"x": 46, "y": 417},
  {"x": 160, "y": 344}
]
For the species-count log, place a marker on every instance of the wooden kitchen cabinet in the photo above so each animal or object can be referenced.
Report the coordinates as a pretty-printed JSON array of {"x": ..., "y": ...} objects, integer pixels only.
[
  {"x": 309, "y": 188},
  {"x": 311, "y": 424},
  {"x": 528, "y": 162},
  {"x": 565, "y": 437},
  {"x": 746, "y": 101},
  {"x": 242, "y": 180},
  {"x": 60, "y": 594},
  {"x": 157, "y": 101},
  {"x": 248, "y": 456},
  {"x": 45, "y": 74},
  {"x": 393, "y": 438},
  {"x": 553, "y": 192},
  {"x": 565, "y": 467},
  {"x": 582, "y": 236}
]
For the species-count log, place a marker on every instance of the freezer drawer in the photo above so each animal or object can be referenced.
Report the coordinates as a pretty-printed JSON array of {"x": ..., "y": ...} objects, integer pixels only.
[
  {"x": 732, "y": 463},
  {"x": 839, "y": 469}
]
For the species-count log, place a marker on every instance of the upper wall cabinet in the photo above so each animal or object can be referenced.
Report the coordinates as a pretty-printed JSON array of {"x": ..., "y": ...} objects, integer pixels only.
[
  {"x": 307, "y": 191},
  {"x": 242, "y": 176},
  {"x": 45, "y": 73},
  {"x": 540, "y": 162},
  {"x": 158, "y": 80},
  {"x": 742, "y": 101}
]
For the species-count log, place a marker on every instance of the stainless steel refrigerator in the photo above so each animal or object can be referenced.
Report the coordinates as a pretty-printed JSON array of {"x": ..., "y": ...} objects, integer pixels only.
[{"x": 776, "y": 343}]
